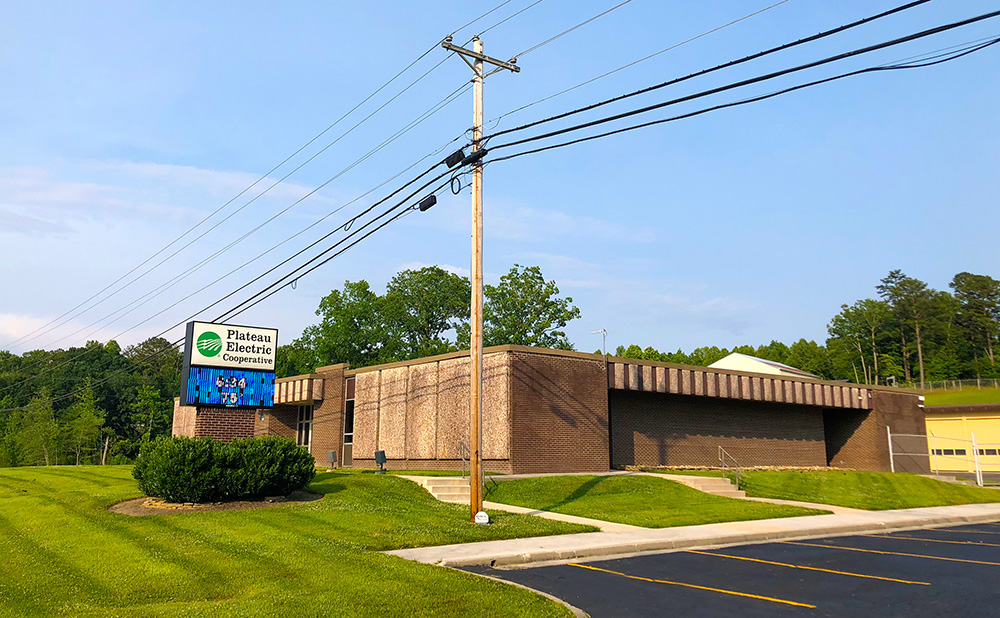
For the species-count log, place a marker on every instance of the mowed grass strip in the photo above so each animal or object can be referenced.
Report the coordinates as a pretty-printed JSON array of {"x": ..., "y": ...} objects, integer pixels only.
[
  {"x": 64, "y": 554},
  {"x": 875, "y": 491},
  {"x": 963, "y": 397},
  {"x": 635, "y": 500}
]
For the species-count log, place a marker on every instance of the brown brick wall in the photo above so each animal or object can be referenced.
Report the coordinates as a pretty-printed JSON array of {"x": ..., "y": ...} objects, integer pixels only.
[
  {"x": 902, "y": 413},
  {"x": 852, "y": 439},
  {"x": 225, "y": 424},
  {"x": 328, "y": 420},
  {"x": 280, "y": 420},
  {"x": 559, "y": 414},
  {"x": 653, "y": 429}
]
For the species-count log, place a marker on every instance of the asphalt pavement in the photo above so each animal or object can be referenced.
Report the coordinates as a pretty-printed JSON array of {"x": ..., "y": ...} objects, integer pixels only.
[{"x": 912, "y": 574}]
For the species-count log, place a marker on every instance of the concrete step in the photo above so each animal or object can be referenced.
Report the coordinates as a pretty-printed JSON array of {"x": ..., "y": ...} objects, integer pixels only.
[
  {"x": 446, "y": 481},
  {"x": 450, "y": 491},
  {"x": 731, "y": 493}
]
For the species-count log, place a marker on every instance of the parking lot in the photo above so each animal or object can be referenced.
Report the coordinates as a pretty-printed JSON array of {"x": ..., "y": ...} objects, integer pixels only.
[{"x": 929, "y": 572}]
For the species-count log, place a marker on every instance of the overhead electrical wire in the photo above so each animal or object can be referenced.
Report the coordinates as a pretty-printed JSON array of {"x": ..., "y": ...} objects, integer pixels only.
[
  {"x": 184, "y": 274},
  {"x": 343, "y": 226},
  {"x": 295, "y": 274},
  {"x": 635, "y": 62},
  {"x": 260, "y": 179},
  {"x": 508, "y": 18},
  {"x": 941, "y": 58},
  {"x": 753, "y": 80},
  {"x": 719, "y": 67},
  {"x": 568, "y": 30}
]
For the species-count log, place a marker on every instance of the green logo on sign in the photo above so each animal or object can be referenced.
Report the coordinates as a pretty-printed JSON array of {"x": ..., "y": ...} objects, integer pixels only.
[{"x": 209, "y": 344}]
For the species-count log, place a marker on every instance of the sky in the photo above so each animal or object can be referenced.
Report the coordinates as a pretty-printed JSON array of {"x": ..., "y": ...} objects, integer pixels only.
[{"x": 125, "y": 124}]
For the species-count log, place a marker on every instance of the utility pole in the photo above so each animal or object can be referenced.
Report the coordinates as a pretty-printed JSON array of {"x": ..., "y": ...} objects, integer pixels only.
[{"x": 476, "y": 340}]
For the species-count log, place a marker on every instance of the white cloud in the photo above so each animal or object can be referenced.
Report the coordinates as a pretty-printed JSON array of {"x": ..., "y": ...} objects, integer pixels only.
[{"x": 457, "y": 270}]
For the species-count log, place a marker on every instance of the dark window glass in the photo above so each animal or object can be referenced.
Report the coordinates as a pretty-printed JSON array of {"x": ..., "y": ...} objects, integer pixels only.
[
  {"x": 960, "y": 451},
  {"x": 949, "y": 451},
  {"x": 991, "y": 451},
  {"x": 350, "y": 388}
]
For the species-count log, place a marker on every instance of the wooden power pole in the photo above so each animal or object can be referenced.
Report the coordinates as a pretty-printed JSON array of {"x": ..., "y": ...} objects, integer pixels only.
[{"x": 476, "y": 341}]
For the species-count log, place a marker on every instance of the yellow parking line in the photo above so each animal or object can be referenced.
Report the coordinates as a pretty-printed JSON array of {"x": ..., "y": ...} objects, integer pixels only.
[
  {"x": 890, "y": 553},
  {"x": 696, "y": 587},
  {"x": 914, "y": 538},
  {"x": 953, "y": 531},
  {"x": 809, "y": 568}
]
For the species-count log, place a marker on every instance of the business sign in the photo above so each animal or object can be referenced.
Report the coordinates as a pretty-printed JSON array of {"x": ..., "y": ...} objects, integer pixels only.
[
  {"x": 227, "y": 345},
  {"x": 226, "y": 365}
]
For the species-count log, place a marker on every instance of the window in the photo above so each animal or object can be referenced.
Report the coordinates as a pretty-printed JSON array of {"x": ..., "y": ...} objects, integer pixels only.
[
  {"x": 937, "y": 451},
  {"x": 349, "y": 422},
  {"x": 988, "y": 451},
  {"x": 949, "y": 451},
  {"x": 303, "y": 436},
  {"x": 960, "y": 452}
]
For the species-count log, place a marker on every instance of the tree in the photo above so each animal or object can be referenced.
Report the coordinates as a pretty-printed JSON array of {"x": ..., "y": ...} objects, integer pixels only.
[
  {"x": 525, "y": 309},
  {"x": 911, "y": 300},
  {"x": 85, "y": 420},
  {"x": 37, "y": 436},
  {"x": 150, "y": 414},
  {"x": 859, "y": 325},
  {"x": 810, "y": 356},
  {"x": 352, "y": 328},
  {"x": 295, "y": 358},
  {"x": 423, "y": 305},
  {"x": 978, "y": 297}
]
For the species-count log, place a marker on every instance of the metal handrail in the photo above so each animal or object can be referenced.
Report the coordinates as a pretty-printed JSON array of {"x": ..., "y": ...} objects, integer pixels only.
[
  {"x": 463, "y": 452},
  {"x": 732, "y": 468}
]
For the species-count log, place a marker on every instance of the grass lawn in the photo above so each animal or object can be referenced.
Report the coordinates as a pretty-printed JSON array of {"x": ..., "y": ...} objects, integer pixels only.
[
  {"x": 874, "y": 491},
  {"x": 635, "y": 500},
  {"x": 963, "y": 397},
  {"x": 64, "y": 554}
]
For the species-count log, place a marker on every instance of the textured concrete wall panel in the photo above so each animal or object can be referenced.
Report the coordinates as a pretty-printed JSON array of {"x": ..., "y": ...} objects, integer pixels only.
[
  {"x": 496, "y": 411},
  {"x": 392, "y": 412},
  {"x": 366, "y": 421},
  {"x": 421, "y": 411},
  {"x": 453, "y": 406}
]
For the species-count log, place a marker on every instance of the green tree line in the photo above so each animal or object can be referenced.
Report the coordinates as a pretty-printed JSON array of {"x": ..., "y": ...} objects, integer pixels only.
[
  {"x": 92, "y": 404},
  {"x": 909, "y": 333}
]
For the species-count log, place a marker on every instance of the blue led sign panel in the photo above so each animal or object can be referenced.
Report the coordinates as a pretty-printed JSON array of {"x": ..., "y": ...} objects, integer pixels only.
[{"x": 231, "y": 388}]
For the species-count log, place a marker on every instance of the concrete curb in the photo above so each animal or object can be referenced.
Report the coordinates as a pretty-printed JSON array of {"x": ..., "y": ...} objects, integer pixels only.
[
  {"x": 606, "y": 545},
  {"x": 577, "y": 612}
]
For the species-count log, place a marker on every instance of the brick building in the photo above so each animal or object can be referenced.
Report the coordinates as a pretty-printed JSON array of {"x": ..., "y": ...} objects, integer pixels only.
[{"x": 558, "y": 411}]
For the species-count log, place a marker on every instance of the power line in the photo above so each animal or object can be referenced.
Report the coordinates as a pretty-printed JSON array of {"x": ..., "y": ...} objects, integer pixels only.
[
  {"x": 567, "y": 31},
  {"x": 256, "y": 182},
  {"x": 235, "y": 197},
  {"x": 277, "y": 285},
  {"x": 177, "y": 278},
  {"x": 635, "y": 62},
  {"x": 506, "y": 19},
  {"x": 758, "y": 79},
  {"x": 256, "y": 197},
  {"x": 933, "y": 60},
  {"x": 345, "y": 226},
  {"x": 719, "y": 67}
]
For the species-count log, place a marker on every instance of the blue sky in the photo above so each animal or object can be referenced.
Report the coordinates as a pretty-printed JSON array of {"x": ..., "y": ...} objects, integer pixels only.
[{"x": 122, "y": 124}]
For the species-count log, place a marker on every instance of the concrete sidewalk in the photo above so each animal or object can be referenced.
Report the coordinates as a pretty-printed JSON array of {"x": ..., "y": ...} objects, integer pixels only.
[{"x": 601, "y": 545}]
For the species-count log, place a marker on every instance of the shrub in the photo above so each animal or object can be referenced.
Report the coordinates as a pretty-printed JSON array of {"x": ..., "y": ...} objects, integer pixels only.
[{"x": 206, "y": 470}]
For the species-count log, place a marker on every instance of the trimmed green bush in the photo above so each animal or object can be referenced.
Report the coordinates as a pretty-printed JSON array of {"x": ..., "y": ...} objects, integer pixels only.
[{"x": 206, "y": 470}]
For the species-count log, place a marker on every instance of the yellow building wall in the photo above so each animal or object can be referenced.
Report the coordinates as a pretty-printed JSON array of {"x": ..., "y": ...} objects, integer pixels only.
[{"x": 950, "y": 432}]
